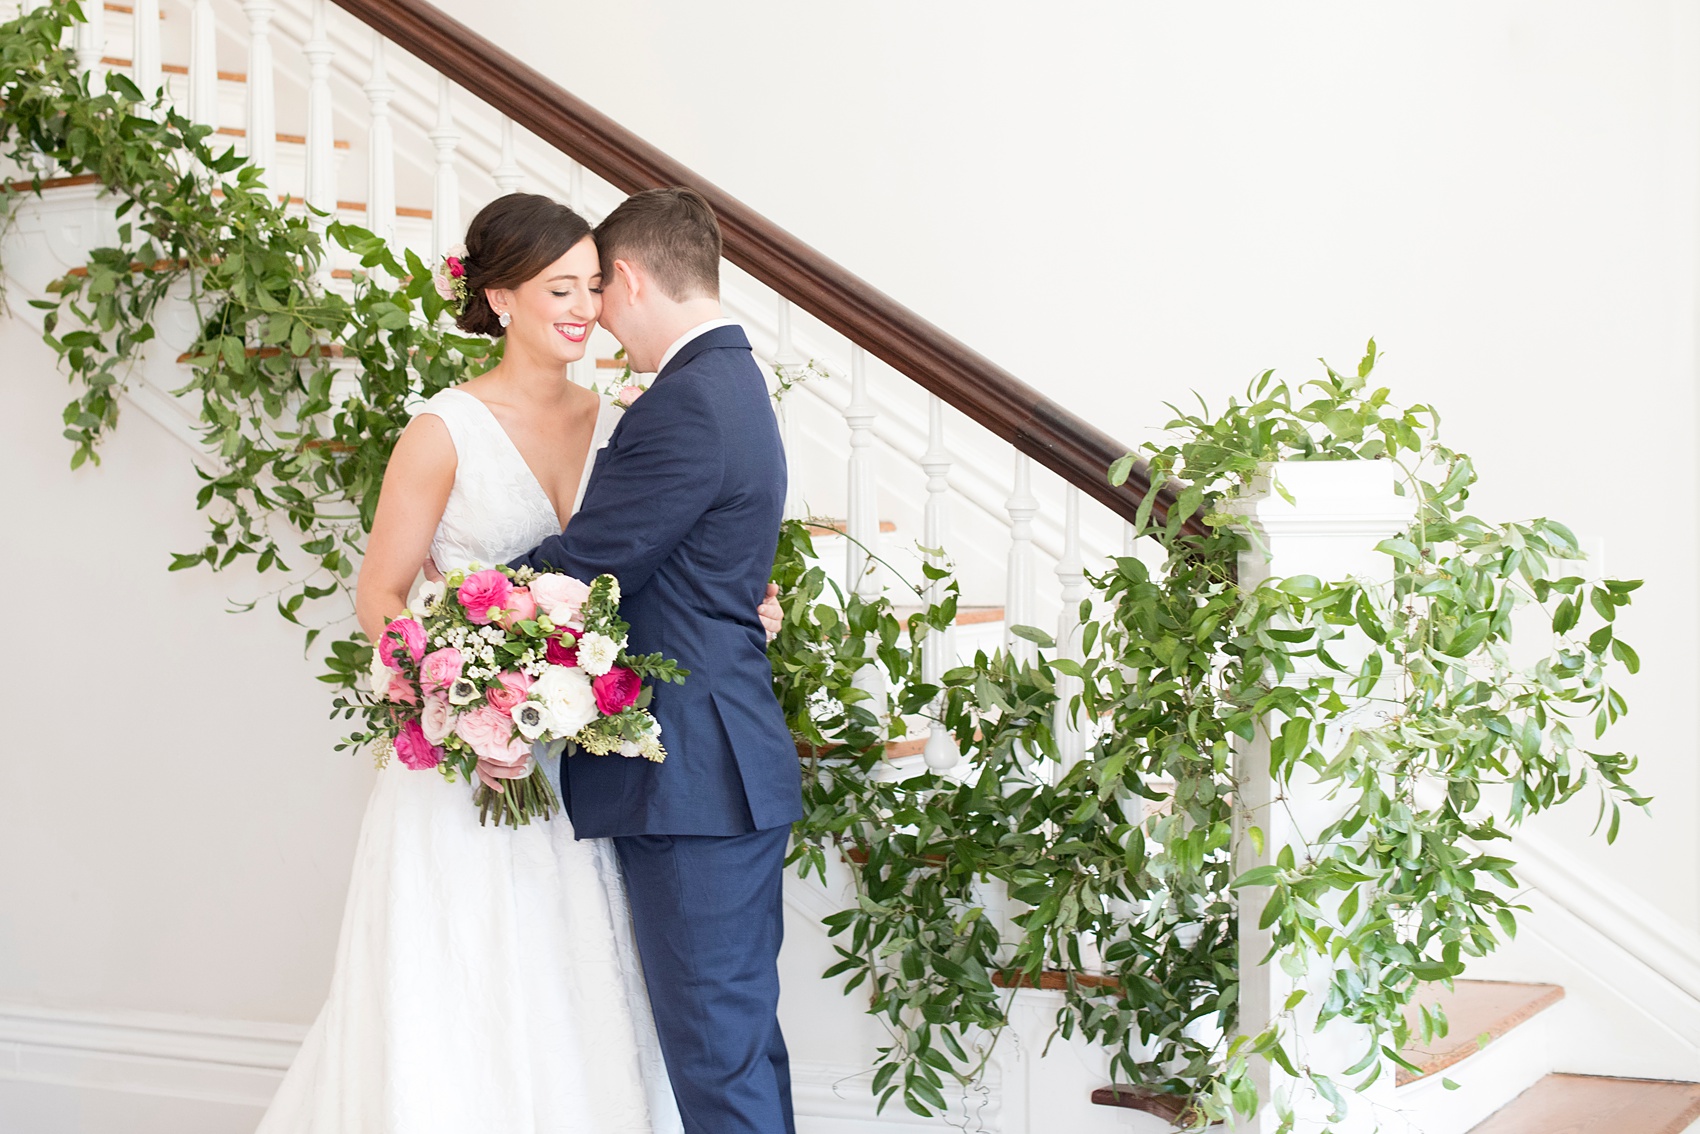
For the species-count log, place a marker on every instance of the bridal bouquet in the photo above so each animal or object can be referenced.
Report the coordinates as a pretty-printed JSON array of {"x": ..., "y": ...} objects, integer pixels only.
[{"x": 491, "y": 661}]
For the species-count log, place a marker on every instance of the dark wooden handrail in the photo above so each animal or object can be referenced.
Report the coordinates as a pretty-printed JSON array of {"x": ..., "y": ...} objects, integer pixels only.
[{"x": 1074, "y": 449}]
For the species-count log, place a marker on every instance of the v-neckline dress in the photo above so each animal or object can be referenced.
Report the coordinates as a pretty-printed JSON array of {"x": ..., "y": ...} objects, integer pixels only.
[{"x": 486, "y": 978}]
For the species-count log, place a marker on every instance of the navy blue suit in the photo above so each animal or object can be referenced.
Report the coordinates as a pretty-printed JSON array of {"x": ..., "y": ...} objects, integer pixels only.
[{"x": 683, "y": 507}]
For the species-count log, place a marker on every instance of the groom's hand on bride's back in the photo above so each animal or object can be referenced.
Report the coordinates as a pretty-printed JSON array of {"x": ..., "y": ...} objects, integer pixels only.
[{"x": 772, "y": 617}]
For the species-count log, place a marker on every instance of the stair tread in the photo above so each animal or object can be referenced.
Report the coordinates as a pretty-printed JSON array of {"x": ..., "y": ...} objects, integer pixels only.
[
  {"x": 1473, "y": 1008},
  {"x": 1591, "y": 1104},
  {"x": 173, "y": 68},
  {"x": 965, "y": 615}
]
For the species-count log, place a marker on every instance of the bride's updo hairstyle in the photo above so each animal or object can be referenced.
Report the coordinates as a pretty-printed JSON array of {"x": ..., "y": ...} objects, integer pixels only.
[{"x": 511, "y": 240}]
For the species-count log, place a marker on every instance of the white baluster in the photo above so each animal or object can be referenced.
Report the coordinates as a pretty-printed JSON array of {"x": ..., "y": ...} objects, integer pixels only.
[
  {"x": 508, "y": 175},
  {"x": 320, "y": 189},
  {"x": 1071, "y": 576},
  {"x": 262, "y": 86},
  {"x": 380, "y": 147},
  {"x": 862, "y": 524},
  {"x": 575, "y": 188},
  {"x": 1129, "y": 540},
  {"x": 938, "y": 652},
  {"x": 789, "y": 362},
  {"x": 203, "y": 64},
  {"x": 445, "y": 209},
  {"x": 91, "y": 45},
  {"x": 144, "y": 58},
  {"x": 1021, "y": 581}
]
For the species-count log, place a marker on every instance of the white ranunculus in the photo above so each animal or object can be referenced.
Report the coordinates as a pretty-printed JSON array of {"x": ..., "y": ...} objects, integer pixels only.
[
  {"x": 531, "y": 718},
  {"x": 597, "y": 653},
  {"x": 380, "y": 675},
  {"x": 566, "y": 697}
]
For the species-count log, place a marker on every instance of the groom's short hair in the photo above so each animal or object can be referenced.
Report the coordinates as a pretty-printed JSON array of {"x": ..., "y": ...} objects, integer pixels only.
[{"x": 671, "y": 234}]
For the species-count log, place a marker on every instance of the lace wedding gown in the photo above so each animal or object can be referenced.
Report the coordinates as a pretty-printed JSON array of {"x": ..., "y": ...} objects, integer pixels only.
[{"x": 486, "y": 978}]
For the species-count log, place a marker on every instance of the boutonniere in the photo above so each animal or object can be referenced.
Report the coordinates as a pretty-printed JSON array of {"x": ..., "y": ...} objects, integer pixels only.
[{"x": 627, "y": 394}]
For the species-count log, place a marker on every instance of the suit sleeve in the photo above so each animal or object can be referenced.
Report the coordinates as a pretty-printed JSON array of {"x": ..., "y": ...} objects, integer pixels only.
[{"x": 654, "y": 481}]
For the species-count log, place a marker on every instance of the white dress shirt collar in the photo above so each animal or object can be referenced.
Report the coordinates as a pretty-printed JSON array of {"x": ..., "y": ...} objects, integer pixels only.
[{"x": 699, "y": 329}]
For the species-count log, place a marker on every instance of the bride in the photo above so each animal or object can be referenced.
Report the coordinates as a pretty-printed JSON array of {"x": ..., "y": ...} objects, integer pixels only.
[{"x": 486, "y": 977}]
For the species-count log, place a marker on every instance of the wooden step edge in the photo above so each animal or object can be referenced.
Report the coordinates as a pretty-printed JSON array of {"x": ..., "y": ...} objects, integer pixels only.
[
  {"x": 1170, "y": 1108},
  {"x": 56, "y": 182},
  {"x": 344, "y": 206},
  {"x": 173, "y": 68},
  {"x": 965, "y": 615},
  {"x": 1597, "y": 1104},
  {"x": 286, "y": 139},
  {"x": 1464, "y": 1032},
  {"x": 1056, "y": 980},
  {"x": 126, "y": 9},
  {"x": 610, "y": 364},
  {"x": 326, "y": 350},
  {"x": 822, "y": 526},
  {"x": 82, "y": 272}
]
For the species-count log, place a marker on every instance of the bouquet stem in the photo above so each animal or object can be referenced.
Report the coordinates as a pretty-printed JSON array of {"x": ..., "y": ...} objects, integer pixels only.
[{"x": 530, "y": 797}]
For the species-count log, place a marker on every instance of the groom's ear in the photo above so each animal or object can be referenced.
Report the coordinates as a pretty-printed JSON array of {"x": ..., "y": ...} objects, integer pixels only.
[{"x": 631, "y": 279}]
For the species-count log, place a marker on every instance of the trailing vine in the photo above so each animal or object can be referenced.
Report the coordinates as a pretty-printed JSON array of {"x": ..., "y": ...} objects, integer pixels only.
[{"x": 1115, "y": 873}]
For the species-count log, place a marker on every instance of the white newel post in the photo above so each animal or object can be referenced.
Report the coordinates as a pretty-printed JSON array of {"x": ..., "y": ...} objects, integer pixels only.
[
  {"x": 262, "y": 87},
  {"x": 1340, "y": 511}
]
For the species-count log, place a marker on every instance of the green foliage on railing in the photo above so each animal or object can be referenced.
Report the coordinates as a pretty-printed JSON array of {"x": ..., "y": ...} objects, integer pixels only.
[{"x": 1116, "y": 873}]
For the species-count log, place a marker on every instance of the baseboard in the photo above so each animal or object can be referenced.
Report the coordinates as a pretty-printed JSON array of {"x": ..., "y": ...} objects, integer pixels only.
[{"x": 240, "y": 1063}]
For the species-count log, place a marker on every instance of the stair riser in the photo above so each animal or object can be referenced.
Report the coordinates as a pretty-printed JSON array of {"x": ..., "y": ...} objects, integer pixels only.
[{"x": 1487, "y": 1081}]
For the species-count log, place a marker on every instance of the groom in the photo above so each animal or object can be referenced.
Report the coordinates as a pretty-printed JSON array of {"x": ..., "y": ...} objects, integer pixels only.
[{"x": 683, "y": 507}]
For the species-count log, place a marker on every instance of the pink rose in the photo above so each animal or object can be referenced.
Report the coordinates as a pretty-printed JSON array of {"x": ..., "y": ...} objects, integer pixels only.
[
  {"x": 401, "y": 691},
  {"x": 440, "y": 669},
  {"x": 558, "y": 595},
  {"x": 483, "y": 592},
  {"x": 414, "y": 751},
  {"x": 490, "y": 733},
  {"x": 617, "y": 690},
  {"x": 510, "y": 693},
  {"x": 628, "y": 395},
  {"x": 437, "y": 719},
  {"x": 412, "y": 636},
  {"x": 519, "y": 608},
  {"x": 557, "y": 654},
  {"x": 456, "y": 268}
]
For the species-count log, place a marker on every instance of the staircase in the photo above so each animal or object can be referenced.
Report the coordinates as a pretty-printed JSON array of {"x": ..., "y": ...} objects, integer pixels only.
[{"x": 887, "y": 451}]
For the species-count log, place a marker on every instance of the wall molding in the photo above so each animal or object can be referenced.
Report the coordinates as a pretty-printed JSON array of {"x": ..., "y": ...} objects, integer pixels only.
[{"x": 241, "y": 1062}]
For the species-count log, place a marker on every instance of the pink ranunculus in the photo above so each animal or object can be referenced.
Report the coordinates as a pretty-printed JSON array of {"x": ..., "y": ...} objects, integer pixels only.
[
  {"x": 412, "y": 636},
  {"x": 520, "y": 607},
  {"x": 401, "y": 691},
  {"x": 552, "y": 592},
  {"x": 490, "y": 733},
  {"x": 437, "y": 718},
  {"x": 617, "y": 690},
  {"x": 628, "y": 395},
  {"x": 509, "y": 693},
  {"x": 414, "y": 750},
  {"x": 483, "y": 592},
  {"x": 440, "y": 669},
  {"x": 457, "y": 269},
  {"x": 557, "y": 654}
]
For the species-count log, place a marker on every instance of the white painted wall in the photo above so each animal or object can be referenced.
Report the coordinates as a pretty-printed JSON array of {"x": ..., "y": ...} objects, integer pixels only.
[
  {"x": 1117, "y": 201},
  {"x": 1122, "y": 202}
]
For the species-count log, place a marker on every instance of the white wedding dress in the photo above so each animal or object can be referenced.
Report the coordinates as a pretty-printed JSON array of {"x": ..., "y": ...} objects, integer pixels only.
[{"x": 486, "y": 979}]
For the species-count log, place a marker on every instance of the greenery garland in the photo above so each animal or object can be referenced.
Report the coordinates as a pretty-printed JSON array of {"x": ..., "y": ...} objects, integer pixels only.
[{"x": 1116, "y": 874}]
